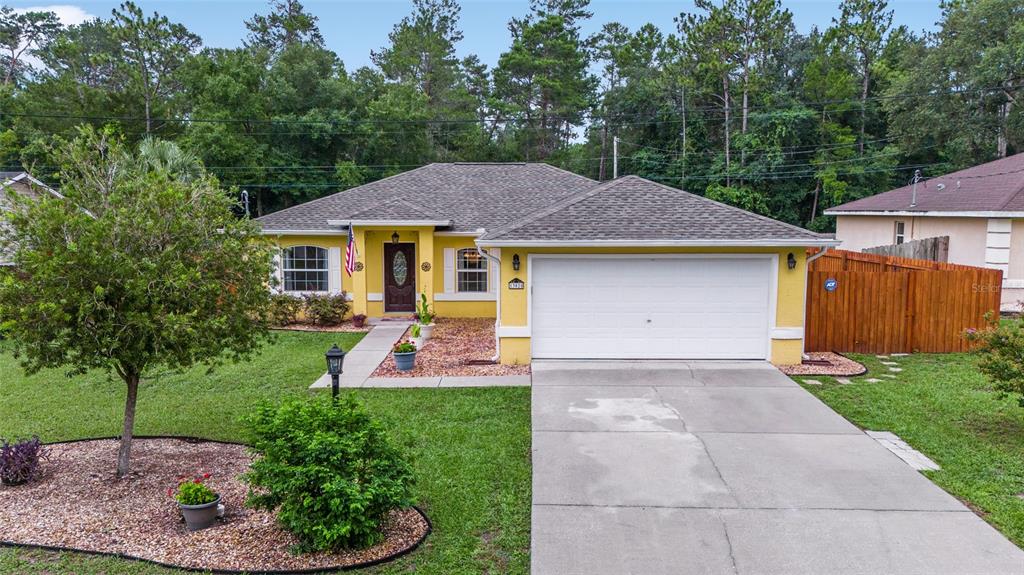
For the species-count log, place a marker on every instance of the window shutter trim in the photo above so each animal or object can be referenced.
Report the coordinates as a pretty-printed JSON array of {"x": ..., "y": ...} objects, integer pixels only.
[
  {"x": 449, "y": 270},
  {"x": 334, "y": 270}
]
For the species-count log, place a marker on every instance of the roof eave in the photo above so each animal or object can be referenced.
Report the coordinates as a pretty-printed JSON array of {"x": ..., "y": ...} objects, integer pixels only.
[
  {"x": 929, "y": 213},
  {"x": 790, "y": 242},
  {"x": 390, "y": 223},
  {"x": 281, "y": 232}
]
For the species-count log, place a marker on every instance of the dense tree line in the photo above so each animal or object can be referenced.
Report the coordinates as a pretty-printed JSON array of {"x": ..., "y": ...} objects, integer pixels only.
[{"x": 734, "y": 104}]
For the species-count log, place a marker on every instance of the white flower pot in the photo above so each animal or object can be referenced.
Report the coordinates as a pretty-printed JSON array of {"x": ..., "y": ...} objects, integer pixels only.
[
  {"x": 417, "y": 341},
  {"x": 426, "y": 331}
]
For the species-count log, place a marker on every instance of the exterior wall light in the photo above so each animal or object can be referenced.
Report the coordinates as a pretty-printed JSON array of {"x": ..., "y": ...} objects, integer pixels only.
[
  {"x": 791, "y": 261},
  {"x": 515, "y": 262},
  {"x": 394, "y": 238}
]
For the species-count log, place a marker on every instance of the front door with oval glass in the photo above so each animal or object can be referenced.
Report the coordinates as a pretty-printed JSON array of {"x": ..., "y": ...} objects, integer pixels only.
[{"x": 399, "y": 277}]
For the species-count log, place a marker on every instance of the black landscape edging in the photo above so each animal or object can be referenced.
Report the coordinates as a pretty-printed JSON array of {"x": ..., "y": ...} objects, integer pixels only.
[{"x": 364, "y": 564}]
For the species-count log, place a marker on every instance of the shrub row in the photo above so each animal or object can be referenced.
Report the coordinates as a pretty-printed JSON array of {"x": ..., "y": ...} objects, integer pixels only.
[{"x": 317, "y": 309}]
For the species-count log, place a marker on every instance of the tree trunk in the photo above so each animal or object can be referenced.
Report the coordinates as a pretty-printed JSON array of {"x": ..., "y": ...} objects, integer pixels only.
[
  {"x": 125, "y": 452},
  {"x": 814, "y": 206},
  {"x": 604, "y": 146},
  {"x": 725, "y": 94},
  {"x": 863, "y": 105},
  {"x": 1004, "y": 121}
]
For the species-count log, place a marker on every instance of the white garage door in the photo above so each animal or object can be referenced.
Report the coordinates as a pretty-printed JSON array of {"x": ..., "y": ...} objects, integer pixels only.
[{"x": 643, "y": 307}]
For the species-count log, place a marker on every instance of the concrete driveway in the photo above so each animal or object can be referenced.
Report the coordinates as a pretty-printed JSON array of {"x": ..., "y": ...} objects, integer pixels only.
[{"x": 653, "y": 468}]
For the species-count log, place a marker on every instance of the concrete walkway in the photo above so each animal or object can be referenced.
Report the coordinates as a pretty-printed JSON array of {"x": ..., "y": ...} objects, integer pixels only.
[
  {"x": 362, "y": 360},
  {"x": 676, "y": 468}
]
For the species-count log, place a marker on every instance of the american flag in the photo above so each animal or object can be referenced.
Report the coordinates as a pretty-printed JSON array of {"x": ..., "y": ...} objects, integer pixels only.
[{"x": 350, "y": 253}]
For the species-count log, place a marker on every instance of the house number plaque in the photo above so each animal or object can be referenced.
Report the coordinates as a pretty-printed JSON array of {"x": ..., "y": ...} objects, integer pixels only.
[{"x": 516, "y": 283}]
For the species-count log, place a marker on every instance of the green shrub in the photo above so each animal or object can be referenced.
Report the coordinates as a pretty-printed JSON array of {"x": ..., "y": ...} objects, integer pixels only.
[
  {"x": 284, "y": 309},
  {"x": 329, "y": 469},
  {"x": 326, "y": 309},
  {"x": 1001, "y": 347}
]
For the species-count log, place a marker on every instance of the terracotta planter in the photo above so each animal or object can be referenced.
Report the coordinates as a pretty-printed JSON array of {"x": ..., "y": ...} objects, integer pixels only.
[
  {"x": 405, "y": 361},
  {"x": 359, "y": 320},
  {"x": 200, "y": 516}
]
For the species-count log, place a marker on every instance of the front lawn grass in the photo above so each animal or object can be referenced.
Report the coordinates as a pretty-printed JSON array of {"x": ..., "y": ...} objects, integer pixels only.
[
  {"x": 470, "y": 447},
  {"x": 944, "y": 407}
]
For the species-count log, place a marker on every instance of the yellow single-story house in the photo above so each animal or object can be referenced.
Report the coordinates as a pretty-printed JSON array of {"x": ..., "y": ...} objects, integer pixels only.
[{"x": 568, "y": 267}]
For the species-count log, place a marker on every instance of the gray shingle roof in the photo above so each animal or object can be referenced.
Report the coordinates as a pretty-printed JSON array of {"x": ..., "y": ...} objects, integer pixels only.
[
  {"x": 473, "y": 196},
  {"x": 996, "y": 186},
  {"x": 634, "y": 209},
  {"x": 397, "y": 210}
]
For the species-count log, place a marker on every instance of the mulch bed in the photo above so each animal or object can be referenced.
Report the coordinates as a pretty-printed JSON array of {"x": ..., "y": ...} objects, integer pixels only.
[
  {"x": 343, "y": 327},
  {"x": 78, "y": 504},
  {"x": 455, "y": 343},
  {"x": 825, "y": 363}
]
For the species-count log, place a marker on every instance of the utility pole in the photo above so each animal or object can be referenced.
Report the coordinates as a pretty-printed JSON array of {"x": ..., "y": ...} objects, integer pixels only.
[{"x": 615, "y": 157}]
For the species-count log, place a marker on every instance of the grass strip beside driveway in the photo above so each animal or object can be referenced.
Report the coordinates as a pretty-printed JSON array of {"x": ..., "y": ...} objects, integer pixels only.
[{"x": 943, "y": 406}]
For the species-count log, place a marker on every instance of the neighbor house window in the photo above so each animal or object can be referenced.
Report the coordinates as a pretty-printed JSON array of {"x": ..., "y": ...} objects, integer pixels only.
[
  {"x": 305, "y": 268},
  {"x": 471, "y": 271},
  {"x": 899, "y": 236}
]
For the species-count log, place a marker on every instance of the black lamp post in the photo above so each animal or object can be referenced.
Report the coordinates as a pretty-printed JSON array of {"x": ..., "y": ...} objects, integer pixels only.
[{"x": 335, "y": 359}]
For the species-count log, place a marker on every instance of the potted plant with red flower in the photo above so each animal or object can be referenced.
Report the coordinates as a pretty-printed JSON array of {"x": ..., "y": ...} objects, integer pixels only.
[
  {"x": 198, "y": 503},
  {"x": 405, "y": 355}
]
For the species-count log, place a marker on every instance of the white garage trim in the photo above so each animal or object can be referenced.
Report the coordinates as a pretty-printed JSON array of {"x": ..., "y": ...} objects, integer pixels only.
[
  {"x": 788, "y": 333},
  {"x": 773, "y": 283}
]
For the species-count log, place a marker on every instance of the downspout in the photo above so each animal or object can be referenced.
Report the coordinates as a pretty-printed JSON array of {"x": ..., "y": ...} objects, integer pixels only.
[
  {"x": 819, "y": 254},
  {"x": 497, "y": 301}
]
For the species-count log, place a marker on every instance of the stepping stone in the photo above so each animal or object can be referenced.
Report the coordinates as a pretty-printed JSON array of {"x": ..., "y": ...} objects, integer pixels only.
[
  {"x": 896, "y": 369},
  {"x": 873, "y": 380},
  {"x": 901, "y": 449},
  {"x": 899, "y": 354},
  {"x": 844, "y": 380},
  {"x": 889, "y": 363},
  {"x": 811, "y": 382},
  {"x": 889, "y": 375},
  {"x": 882, "y": 356}
]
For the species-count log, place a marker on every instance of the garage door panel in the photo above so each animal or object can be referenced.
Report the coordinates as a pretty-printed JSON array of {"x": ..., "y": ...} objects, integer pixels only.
[{"x": 658, "y": 308}]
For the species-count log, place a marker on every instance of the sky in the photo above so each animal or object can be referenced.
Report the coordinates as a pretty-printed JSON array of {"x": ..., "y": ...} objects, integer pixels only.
[{"x": 352, "y": 28}]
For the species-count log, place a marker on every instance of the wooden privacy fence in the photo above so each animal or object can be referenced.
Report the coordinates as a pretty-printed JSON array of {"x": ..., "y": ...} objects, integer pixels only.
[{"x": 885, "y": 304}]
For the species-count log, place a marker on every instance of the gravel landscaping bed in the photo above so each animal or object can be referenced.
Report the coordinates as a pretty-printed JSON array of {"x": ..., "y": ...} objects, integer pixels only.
[
  {"x": 344, "y": 327},
  {"x": 456, "y": 342},
  {"x": 78, "y": 504},
  {"x": 837, "y": 365}
]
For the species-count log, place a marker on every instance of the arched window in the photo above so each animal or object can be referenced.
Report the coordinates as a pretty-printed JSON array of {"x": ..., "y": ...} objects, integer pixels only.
[
  {"x": 305, "y": 268},
  {"x": 470, "y": 271}
]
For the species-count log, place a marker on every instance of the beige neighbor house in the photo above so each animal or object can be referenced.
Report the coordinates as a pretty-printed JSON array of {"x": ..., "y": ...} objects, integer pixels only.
[
  {"x": 980, "y": 209},
  {"x": 567, "y": 266},
  {"x": 20, "y": 183}
]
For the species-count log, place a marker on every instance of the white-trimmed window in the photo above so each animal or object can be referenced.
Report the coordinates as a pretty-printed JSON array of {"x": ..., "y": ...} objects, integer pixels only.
[
  {"x": 899, "y": 232},
  {"x": 470, "y": 271},
  {"x": 304, "y": 269}
]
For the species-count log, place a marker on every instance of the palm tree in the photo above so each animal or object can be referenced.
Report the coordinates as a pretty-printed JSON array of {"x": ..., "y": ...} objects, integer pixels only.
[{"x": 166, "y": 156}]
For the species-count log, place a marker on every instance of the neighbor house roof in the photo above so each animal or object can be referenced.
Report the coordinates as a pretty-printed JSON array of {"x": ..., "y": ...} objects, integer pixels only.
[
  {"x": 470, "y": 195},
  {"x": 995, "y": 189},
  {"x": 634, "y": 211},
  {"x": 24, "y": 184}
]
